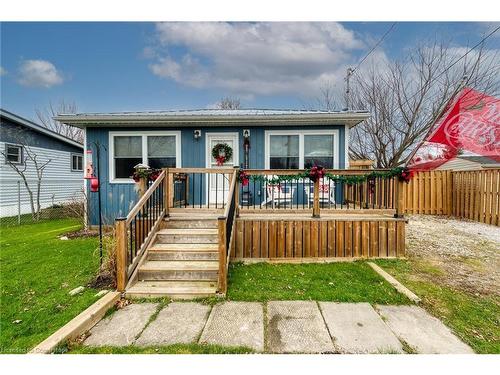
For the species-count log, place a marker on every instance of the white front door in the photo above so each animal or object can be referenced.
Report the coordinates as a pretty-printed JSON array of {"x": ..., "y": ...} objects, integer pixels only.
[{"x": 218, "y": 186}]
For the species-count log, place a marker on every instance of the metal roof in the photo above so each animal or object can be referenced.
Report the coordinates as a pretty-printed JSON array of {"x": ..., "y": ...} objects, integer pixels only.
[
  {"x": 38, "y": 128},
  {"x": 214, "y": 117}
]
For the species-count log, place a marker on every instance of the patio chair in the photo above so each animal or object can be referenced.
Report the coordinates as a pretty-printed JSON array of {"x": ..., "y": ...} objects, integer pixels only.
[
  {"x": 326, "y": 193},
  {"x": 277, "y": 195}
]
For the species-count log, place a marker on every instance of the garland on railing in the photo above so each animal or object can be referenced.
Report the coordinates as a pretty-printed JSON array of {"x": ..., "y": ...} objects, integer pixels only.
[{"x": 318, "y": 172}]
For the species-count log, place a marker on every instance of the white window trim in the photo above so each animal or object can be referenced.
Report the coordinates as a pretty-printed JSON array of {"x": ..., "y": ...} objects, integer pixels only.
[
  {"x": 71, "y": 162},
  {"x": 144, "y": 135},
  {"x": 301, "y": 134},
  {"x": 21, "y": 153}
]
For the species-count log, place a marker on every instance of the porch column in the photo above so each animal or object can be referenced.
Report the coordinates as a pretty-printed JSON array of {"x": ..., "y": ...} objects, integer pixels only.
[
  {"x": 316, "y": 199},
  {"x": 121, "y": 253}
]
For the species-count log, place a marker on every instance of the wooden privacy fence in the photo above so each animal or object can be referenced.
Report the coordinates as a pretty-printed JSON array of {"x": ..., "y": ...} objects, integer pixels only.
[{"x": 473, "y": 195}]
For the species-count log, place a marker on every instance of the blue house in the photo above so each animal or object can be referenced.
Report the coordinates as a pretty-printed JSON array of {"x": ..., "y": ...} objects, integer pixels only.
[
  {"x": 234, "y": 185},
  {"x": 258, "y": 139}
]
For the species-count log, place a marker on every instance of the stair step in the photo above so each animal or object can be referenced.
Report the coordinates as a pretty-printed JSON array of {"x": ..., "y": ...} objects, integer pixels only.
[
  {"x": 200, "y": 247},
  {"x": 189, "y": 231},
  {"x": 187, "y": 236},
  {"x": 178, "y": 270},
  {"x": 155, "y": 254},
  {"x": 191, "y": 224},
  {"x": 201, "y": 265},
  {"x": 173, "y": 289}
]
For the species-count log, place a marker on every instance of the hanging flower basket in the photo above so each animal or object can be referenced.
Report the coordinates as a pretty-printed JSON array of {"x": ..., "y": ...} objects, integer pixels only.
[
  {"x": 144, "y": 172},
  {"x": 222, "y": 152}
]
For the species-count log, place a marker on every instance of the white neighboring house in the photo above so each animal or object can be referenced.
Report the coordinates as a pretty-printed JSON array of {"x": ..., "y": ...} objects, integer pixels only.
[
  {"x": 469, "y": 163},
  {"x": 62, "y": 179}
]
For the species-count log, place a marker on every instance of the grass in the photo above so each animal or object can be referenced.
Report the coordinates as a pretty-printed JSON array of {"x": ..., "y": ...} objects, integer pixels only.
[
  {"x": 342, "y": 282},
  {"x": 37, "y": 272},
  {"x": 474, "y": 318},
  {"x": 169, "y": 349}
]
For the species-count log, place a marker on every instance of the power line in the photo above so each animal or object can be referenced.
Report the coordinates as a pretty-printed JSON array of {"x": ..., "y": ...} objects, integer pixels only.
[
  {"x": 351, "y": 71},
  {"x": 374, "y": 47}
]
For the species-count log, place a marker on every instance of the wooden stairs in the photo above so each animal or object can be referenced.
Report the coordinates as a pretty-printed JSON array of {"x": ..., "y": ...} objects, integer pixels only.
[{"x": 182, "y": 261}]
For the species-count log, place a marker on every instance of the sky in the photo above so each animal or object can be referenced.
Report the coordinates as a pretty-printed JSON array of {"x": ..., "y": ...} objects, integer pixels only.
[{"x": 119, "y": 66}]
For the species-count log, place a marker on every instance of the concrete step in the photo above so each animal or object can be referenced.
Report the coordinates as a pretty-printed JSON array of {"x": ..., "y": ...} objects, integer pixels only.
[
  {"x": 191, "y": 224},
  {"x": 173, "y": 289},
  {"x": 179, "y": 270},
  {"x": 155, "y": 254},
  {"x": 187, "y": 236}
]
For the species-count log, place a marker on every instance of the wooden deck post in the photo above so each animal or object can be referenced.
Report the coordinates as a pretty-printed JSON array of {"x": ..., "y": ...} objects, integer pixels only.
[
  {"x": 316, "y": 199},
  {"x": 143, "y": 186},
  {"x": 166, "y": 189},
  {"x": 237, "y": 193},
  {"x": 400, "y": 198},
  {"x": 170, "y": 189},
  {"x": 222, "y": 283},
  {"x": 121, "y": 253}
]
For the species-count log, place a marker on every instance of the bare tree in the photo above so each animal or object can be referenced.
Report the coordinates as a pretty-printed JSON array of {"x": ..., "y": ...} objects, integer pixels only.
[
  {"x": 46, "y": 117},
  {"x": 229, "y": 103},
  {"x": 29, "y": 159},
  {"x": 406, "y": 98},
  {"x": 328, "y": 99}
]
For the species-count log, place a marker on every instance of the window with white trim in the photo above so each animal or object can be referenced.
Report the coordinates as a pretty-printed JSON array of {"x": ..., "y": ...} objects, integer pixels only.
[
  {"x": 13, "y": 153},
  {"x": 157, "y": 150},
  {"x": 76, "y": 162},
  {"x": 301, "y": 149},
  {"x": 318, "y": 150},
  {"x": 283, "y": 151}
]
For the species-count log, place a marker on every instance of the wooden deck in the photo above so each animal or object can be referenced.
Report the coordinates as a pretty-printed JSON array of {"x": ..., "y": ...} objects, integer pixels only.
[
  {"x": 294, "y": 235},
  {"x": 173, "y": 244}
]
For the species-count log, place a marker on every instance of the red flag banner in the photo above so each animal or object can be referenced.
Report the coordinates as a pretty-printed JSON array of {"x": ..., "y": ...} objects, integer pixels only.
[{"x": 471, "y": 123}]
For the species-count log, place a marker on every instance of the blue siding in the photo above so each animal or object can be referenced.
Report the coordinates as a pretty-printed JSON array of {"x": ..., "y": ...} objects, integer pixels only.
[{"x": 119, "y": 198}]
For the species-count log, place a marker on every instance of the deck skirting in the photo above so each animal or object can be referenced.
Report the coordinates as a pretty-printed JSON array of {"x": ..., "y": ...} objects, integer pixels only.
[{"x": 347, "y": 238}]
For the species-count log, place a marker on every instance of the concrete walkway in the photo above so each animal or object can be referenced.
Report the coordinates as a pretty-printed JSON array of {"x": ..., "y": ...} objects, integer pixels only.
[{"x": 280, "y": 327}]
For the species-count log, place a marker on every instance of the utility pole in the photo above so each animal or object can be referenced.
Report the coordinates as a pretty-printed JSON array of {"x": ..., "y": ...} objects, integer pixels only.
[{"x": 350, "y": 71}]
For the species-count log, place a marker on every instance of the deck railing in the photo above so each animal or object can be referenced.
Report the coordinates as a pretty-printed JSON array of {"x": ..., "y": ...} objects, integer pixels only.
[
  {"x": 265, "y": 191},
  {"x": 225, "y": 232},
  {"x": 198, "y": 188},
  {"x": 134, "y": 232}
]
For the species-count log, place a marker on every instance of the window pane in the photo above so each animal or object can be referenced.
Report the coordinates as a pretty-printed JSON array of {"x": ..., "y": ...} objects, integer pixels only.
[
  {"x": 162, "y": 162},
  {"x": 128, "y": 147},
  {"x": 13, "y": 153},
  {"x": 284, "y": 163},
  {"x": 318, "y": 145},
  {"x": 161, "y": 146},
  {"x": 325, "y": 162},
  {"x": 124, "y": 167},
  {"x": 80, "y": 163},
  {"x": 284, "y": 145}
]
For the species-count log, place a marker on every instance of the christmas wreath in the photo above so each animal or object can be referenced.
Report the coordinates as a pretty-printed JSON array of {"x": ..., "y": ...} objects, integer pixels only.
[{"x": 221, "y": 153}]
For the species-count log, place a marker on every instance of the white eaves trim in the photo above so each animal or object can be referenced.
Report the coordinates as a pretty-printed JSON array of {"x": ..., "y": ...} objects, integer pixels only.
[{"x": 217, "y": 118}]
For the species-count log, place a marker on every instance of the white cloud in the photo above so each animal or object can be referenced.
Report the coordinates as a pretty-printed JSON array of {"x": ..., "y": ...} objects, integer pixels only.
[
  {"x": 254, "y": 58},
  {"x": 39, "y": 73},
  {"x": 2, "y": 71}
]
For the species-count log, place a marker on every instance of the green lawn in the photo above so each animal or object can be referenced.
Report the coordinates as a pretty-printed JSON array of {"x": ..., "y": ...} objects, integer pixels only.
[
  {"x": 170, "y": 349},
  {"x": 342, "y": 281},
  {"x": 474, "y": 318},
  {"x": 37, "y": 270}
]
